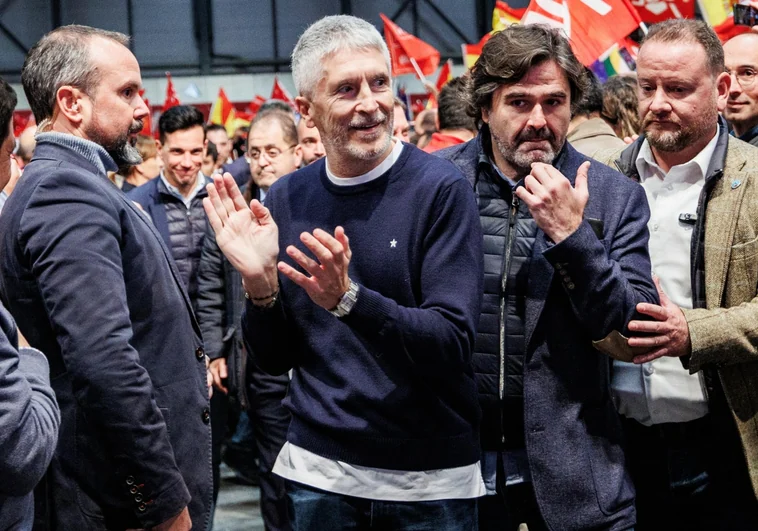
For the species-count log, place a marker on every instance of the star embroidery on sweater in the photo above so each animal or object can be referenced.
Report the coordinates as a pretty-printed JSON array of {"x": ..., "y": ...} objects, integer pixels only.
[{"x": 393, "y": 243}]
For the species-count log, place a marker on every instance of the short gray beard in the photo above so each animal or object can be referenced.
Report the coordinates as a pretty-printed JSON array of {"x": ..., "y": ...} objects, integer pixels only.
[
  {"x": 343, "y": 144},
  {"x": 120, "y": 149},
  {"x": 522, "y": 162}
]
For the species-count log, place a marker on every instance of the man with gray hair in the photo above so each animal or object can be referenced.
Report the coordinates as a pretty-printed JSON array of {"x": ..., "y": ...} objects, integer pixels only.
[
  {"x": 566, "y": 263},
  {"x": 378, "y": 329},
  {"x": 91, "y": 284}
]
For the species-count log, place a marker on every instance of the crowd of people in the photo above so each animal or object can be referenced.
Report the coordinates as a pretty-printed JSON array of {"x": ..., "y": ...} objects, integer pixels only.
[{"x": 535, "y": 306}]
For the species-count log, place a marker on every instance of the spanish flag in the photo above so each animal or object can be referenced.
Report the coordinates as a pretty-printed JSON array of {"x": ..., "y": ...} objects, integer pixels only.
[
  {"x": 471, "y": 52},
  {"x": 504, "y": 15},
  {"x": 445, "y": 75},
  {"x": 223, "y": 113}
]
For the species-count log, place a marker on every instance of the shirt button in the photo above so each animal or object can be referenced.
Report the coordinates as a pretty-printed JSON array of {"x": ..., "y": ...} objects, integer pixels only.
[
  {"x": 570, "y": 285},
  {"x": 200, "y": 354},
  {"x": 655, "y": 227},
  {"x": 206, "y": 415},
  {"x": 649, "y": 369}
]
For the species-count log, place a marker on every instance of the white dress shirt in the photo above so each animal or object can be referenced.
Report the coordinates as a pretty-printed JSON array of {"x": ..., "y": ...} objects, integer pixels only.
[
  {"x": 298, "y": 464},
  {"x": 663, "y": 390}
]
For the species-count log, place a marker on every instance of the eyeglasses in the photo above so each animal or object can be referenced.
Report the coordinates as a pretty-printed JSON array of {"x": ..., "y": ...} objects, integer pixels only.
[
  {"x": 269, "y": 153},
  {"x": 745, "y": 77}
]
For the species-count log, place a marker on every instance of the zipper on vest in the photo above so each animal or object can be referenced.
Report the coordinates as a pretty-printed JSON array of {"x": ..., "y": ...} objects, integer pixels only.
[{"x": 509, "y": 239}]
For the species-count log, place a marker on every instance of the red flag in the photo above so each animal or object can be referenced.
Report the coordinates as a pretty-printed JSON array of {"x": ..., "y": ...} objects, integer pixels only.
[
  {"x": 728, "y": 29},
  {"x": 446, "y": 74},
  {"x": 404, "y": 47},
  {"x": 256, "y": 104},
  {"x": 418, "y": 102},
  {"x": 147, "y": 123},
  {"x": 171, "y": 99},
  {"x": 592, "y": 26},
  {"x": 652, "y": 11},
  {"x": 278, "y": 92}
]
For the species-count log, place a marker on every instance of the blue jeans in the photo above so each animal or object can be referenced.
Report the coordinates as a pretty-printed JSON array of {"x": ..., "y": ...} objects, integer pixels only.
[{"x": 316, "y": 510}]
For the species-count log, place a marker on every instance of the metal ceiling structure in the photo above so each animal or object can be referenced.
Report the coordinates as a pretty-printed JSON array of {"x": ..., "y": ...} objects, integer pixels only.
[{"x": 206, "y": 37}]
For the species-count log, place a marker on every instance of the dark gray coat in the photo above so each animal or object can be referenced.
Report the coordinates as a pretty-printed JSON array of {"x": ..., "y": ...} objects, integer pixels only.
[
  {"x": 92, "y": 285},
  {"x": 29, "y": 420}
]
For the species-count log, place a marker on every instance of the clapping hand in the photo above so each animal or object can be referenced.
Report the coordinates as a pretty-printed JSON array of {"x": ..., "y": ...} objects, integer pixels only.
[
  {"x": 328, "y": 279},
  {"x": 248, "y": 236}
]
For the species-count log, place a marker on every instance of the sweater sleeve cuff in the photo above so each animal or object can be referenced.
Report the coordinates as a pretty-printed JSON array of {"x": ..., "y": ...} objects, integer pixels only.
[
  {"x": 574, "y": 248},
  {"x": 33, "y": 363},
  {"x": 371, "y": 311}
]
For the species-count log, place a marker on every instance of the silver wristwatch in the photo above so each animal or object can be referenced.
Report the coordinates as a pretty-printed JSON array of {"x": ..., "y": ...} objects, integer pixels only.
[{"x": 347, "y": 301}]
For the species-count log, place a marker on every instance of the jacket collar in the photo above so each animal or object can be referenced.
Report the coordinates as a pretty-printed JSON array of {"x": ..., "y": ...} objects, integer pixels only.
[
  {"x": 626, "y": 161},
  {"x": 91, "y": 152}
]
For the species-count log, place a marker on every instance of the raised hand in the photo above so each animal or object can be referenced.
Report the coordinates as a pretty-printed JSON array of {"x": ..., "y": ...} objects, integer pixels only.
[
  {"x": 248, "y": 236},
  {"x": 328, "y": 280},
  {"x": 555, "y": 205}
]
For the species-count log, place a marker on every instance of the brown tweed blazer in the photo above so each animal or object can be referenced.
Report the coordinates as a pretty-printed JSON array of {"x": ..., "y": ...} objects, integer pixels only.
[{"x": 725, "y": 333}]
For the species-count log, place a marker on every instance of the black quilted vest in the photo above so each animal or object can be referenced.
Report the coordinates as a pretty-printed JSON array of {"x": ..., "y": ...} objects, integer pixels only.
[{"x": 509, "y": 233}]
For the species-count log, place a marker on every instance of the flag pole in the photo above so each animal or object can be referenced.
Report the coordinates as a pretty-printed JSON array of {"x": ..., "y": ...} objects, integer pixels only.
[{"x": 419, "y": 73}]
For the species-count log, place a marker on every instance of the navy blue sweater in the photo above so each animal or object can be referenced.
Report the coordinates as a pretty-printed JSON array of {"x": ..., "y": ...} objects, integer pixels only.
[{"x": 390, "y": 385}]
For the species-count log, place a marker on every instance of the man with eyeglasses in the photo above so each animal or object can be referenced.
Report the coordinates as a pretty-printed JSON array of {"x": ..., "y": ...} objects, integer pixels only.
[
  {"x": 273, "y": 150},
  {"x": 741, "y": 60},
  {"x": 688, "y": 401}
]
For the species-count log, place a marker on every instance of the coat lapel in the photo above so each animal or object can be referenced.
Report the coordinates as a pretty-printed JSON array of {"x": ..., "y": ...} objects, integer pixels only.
[
  {"x": 164, "y": 247},
  {"x": 721, "y": 223}
]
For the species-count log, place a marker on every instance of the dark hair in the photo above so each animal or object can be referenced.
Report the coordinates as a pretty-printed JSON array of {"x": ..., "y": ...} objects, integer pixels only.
[
  {"x": 509, "y": 55},
  {"x": 62, "y": 58},
  {"x": 592, "y": 101},
  {"x": 686, "y": 30},
  {"x": 212, "y": 150},
  {"x": 8, "y": 102},
  {"x": 400, "y": 103},
  {"x": 215, "y": 127},
  {"x": 276, "y": 105},
  {"x": 180, "y": 118},
  {"x": 621, "y": 105},
  {"x": 285, "y": 120},
  {"x": 451, "y": 106}
]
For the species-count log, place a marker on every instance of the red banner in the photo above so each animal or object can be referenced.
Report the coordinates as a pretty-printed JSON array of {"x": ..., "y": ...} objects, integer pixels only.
[
  {"x": 404, "y": 47},
  {"x": 652, "y": 11},
  {"x": 592, "y": 26}
]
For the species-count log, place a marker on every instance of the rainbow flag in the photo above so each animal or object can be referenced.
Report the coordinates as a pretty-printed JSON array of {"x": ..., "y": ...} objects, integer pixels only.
[{"x": 616, "y": 61}]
